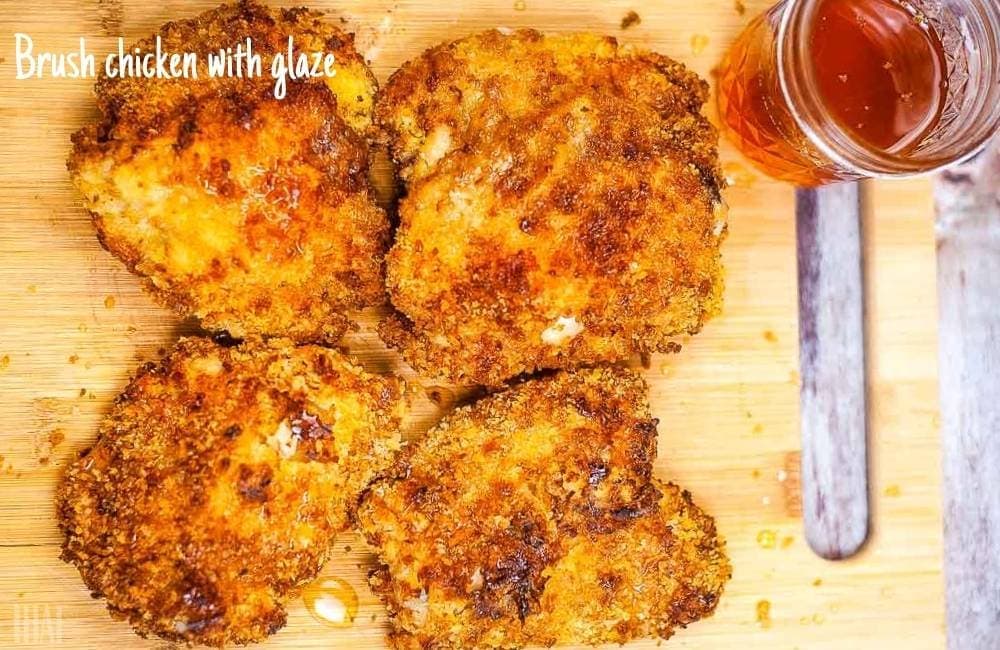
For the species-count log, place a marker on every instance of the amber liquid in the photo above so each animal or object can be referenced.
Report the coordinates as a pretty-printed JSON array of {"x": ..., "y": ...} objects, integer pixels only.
[
  {"x": 332, "y": 601},
  {"x": 881, "y": 74}
]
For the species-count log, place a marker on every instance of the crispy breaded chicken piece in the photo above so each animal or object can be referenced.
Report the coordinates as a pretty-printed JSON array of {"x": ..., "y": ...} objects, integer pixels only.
[
  {"x": 563, "y": 206},
  {"x": 456, "y": 91},
  {"x": 252, "y": 213},
  {"x": 531, "y": 517},
  {"x": 219, "y": 481}
]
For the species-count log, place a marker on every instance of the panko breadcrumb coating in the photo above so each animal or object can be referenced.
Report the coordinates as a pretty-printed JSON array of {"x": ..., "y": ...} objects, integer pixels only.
[
  {"x": 455, "y": 92},
  {"x": 252, "y": 213},
  {"x": 218, "y": 483},
  {"x": 563, "y": 205},
  {"x": 531, "y": 517}
]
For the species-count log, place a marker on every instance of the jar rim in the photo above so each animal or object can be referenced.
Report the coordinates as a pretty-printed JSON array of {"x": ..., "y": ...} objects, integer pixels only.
[{"x": 798, "y": 86}]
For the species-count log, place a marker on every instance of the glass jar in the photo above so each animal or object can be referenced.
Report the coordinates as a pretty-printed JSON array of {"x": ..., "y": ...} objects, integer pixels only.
[{"x": 771, "y": 105}]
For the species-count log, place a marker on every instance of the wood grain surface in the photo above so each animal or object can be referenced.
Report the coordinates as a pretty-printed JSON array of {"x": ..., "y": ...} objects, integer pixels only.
[{"x": 74, "y": 324}]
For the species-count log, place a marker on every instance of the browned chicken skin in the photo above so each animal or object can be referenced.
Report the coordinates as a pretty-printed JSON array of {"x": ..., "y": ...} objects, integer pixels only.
[
  {"x": 219, "y": 481},
  {"x": 563, "y": 205},
  {"x": 531, "y": 517},
  {"x": 252, "y": 213}
]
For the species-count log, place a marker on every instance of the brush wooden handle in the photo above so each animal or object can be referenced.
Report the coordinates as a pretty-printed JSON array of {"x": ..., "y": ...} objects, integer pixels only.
[
  {"x": 832, "y": 368},
  {"x": 968, "y": 227}
]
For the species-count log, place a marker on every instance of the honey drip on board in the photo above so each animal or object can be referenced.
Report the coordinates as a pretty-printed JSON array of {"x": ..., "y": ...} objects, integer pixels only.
[{"x": 332, "y": 601}]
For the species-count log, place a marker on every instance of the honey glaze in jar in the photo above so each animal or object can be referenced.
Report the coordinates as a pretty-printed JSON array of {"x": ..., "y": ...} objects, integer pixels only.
[
  {"x": 881, "y": 71},
  {"x": 816, "y": 91}
]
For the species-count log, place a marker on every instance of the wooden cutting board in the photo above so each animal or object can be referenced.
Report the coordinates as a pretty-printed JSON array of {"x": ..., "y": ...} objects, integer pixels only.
[{"x": 74, "y": 324}]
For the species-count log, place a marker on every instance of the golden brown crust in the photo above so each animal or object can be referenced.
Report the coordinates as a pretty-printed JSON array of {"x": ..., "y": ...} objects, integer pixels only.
[
  {"x": 531, "y": 517},
  {"x": 219, "y": 481},
  {"x": 252, "y": 213},
  {"x": 475, "y": 84},
  {"x": 563, "y": 205}
]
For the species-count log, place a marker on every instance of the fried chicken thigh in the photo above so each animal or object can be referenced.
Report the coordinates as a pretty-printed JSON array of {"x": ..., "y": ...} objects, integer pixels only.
[
  {"x": 250, "y": 212},
  {"x": 562, "y": 205},
  {"x": 219, "y": 481},
  {"x": 532, "y": 517}
]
